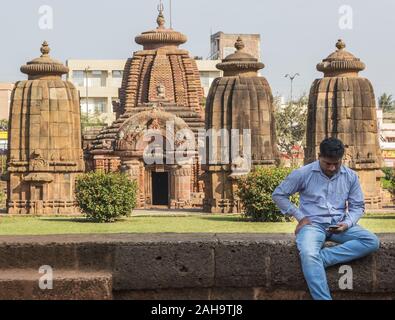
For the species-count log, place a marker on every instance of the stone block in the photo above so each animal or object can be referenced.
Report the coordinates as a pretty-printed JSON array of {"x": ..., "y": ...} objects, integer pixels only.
[
  {"x": 241, "y": 261},
  {"x": 33, "y": 256},
  {"x": 164, "y": 265}
]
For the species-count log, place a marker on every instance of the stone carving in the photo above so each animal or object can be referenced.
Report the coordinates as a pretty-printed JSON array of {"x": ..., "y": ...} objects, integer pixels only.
[
  {"x": 342, "y": 104},
  {"x": 161, "y": 91},
  {"x": 41, "y": 184},
  {"x": 161, "y": 83},
  {"x": 247, "y": 99},
  {"x": 154, "y": 124}
]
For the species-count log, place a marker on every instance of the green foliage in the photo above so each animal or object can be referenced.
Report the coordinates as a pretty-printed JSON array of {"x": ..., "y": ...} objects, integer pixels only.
[
  {"x": 2, "y": 197},
  {"x": 255, "y": 193},
  {"x": 389, "y": 173},
  {"x": 91, "y": 120},
  {"x": 4, "y": 124},
  {"x": 386, "y": 103},
  {"x": 388, "y": 181},
  {"x": 3, "y": 163},
  {"x": 106, "y": 197},
  {"x": 291, "y": 122},
  {"x": 386, "y": 184}
]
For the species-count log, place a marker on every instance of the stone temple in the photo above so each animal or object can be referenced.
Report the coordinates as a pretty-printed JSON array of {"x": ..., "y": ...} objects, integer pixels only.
[
  {"x": 161, "y": 84},
  {"x": 241, "y": 100},
  {"x": 45, "y": 153},
  {"x": 343, "y": 105}
]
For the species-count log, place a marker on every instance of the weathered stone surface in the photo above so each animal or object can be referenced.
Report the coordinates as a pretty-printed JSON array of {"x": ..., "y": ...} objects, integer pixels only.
[
  {"x": 285, "y": 270},
  {"x": 67, "y": 285},
  {"x": 236, "y": 261},
  {"x": 161, "y": 84},
  {"x": 343, "y": 105},
  {"x": 45, "y": 155},
  {"x": 241, "y": 100},
  {"x": 33, "y": 256},
  {"x": 384, "y": 266},
  {"x": 181, "y": 266},
  {"x": 363, "y": 275},
  {"x": 167, "y": 265}
]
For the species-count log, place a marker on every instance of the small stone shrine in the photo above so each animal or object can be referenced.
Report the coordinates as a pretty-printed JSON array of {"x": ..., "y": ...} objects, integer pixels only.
[
  {"x": 343, "y": 105},
  {"x": 45, "y": 153}
]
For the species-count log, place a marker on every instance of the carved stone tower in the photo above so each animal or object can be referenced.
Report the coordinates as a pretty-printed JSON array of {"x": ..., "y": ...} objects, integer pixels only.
[
  {"x": 161, "y": 84},
  {"x": 343, "y": 105},
  {"x": 241, "y": 104},
  {"x": 45, "y": 153}
]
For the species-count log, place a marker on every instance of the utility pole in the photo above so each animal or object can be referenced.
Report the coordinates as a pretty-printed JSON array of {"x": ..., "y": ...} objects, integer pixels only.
[{"x": 292, "y": 78}]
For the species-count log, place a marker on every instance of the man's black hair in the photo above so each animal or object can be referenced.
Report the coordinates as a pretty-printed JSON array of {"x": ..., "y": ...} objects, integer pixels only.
[{"x": 332, "y": 148}]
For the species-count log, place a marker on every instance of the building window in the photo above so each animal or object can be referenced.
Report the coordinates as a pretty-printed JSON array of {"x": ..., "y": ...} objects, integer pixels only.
[
  {"x": 97, "y": 78},
  {"x": 117, "y": 76},
  {"x": 79, "y": 78},
  {"x": 95, "y": 105}
]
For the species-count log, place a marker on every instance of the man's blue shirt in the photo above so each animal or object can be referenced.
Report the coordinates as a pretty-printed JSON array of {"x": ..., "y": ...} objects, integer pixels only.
[{"x": 322, "y": 199}]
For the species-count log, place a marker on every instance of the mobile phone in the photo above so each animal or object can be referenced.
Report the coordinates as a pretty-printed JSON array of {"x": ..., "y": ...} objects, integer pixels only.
[{"x": 333, "y": 227}]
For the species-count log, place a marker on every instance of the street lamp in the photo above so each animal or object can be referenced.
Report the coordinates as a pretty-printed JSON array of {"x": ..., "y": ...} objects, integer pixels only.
[{"x": 292, "y": 80}]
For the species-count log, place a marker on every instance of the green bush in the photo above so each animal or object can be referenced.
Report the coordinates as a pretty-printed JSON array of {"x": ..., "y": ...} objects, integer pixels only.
[
  {"x": 392, "y": 186},
  {"x": 389, "y": 173},
  {"x": 105, "y": 197},
  {"x": 255, "y": 193}
]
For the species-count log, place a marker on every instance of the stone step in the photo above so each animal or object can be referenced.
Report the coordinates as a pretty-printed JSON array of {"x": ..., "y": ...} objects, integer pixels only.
[{"x": 23, "y": 284}]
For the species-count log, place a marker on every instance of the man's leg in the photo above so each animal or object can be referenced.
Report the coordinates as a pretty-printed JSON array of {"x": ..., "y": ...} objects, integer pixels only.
[
  {"x": 356, "y": 243},
  {"x": 310, "y": 241}
]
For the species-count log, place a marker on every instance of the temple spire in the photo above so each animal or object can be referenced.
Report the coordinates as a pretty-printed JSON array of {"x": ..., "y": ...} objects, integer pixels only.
[
  {"x": 340, "y": 45},
  {"x": 239, "y": 45},
  {"x": 161, "y": 18},
  {"x": 45, "y": 49}
]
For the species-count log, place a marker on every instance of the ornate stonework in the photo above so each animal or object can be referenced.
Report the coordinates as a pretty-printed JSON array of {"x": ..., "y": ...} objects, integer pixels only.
[
  {"x": 240, "y": 100},
  {"x": 343, "y": 105},
  {"x": 161, "y": 83},
  {"x": 45, "y": 153}
]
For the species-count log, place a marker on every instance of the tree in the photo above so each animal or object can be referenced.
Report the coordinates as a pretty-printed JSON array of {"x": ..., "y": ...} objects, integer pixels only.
[
  {"x": 291, "y": 122},
  {"x": 386, "y": 103},
  {"x": 91, "y": 120},
  {"x": 4, "y": 124}
]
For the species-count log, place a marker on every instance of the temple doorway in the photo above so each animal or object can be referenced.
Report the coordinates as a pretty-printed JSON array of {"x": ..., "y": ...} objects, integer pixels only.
[{"x": 160, "y": 188}]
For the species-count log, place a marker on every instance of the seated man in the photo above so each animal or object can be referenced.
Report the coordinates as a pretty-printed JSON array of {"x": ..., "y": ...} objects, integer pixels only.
[{"x": 325, "y": 186}]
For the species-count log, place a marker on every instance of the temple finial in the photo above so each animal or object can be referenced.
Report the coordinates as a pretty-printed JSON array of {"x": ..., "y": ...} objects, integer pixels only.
[
  {"x": 239, "y": 45},
  {"x": 45, "y": 49},
  {"x": 161, "y": 18},
  {"x": 340, "y": 44}
]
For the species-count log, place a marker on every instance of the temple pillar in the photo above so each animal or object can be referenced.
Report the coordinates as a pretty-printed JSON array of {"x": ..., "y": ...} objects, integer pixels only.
[
  {"x": 135, "y": 170},
  {"x": 180, "y": 191}
]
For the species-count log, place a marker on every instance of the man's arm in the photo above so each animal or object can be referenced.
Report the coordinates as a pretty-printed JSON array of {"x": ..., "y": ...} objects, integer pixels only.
[
  {"x": 356, "y": 204},
  {"x": 292, "y": 184}
]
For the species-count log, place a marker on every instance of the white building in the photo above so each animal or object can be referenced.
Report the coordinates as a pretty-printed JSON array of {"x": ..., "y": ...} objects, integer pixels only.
[{"x": 387, "y": 138}]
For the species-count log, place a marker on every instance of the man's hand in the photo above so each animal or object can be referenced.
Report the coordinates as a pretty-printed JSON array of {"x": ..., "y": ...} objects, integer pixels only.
[
  {"x": 342, "y": 228},
  {"x": 301, "y": 224}
]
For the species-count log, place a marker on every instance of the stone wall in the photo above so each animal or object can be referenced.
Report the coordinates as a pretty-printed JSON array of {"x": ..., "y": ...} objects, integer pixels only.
[{"x": 178, "y": 266}]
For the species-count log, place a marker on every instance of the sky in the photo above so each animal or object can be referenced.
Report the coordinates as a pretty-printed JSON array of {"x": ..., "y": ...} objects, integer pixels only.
[{"x": 295, "y": 34}]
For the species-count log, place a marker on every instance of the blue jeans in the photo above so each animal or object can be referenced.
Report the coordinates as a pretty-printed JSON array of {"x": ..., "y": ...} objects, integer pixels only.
[{"x": 354, "y": 243}]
